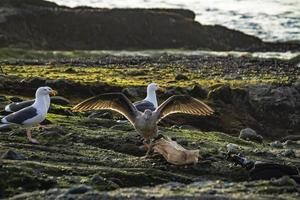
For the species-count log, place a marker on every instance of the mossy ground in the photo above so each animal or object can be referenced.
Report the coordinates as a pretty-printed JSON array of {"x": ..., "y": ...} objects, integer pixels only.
[
  {"x": 86, "y": 148},
  {"x": 73, "y": 149},
  {"x": 120, "y": 75}
]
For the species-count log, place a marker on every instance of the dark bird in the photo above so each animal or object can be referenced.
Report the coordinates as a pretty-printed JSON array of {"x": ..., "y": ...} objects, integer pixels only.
[
  {"x": 31, "y": 115},
  {"x": 145, "y": 122}
]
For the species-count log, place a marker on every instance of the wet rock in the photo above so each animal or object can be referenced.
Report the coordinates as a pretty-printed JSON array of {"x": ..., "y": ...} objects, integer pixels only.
[
  {"x": 291, "y": 138},
  {"x": 54, "y": 131},
  {"x": 174, "y": 91},
  {"x": 288, "y": 153},
  {"x": 103, "y": 183},
  {"x": 250, "y": 134},
  {"x": 164, "y": 22},
  {"x": 284, "y": 181},
  {"x": 80, "y": 189},
  {"x": 232, "y": 148},
  {"x": 12, "y": 155},
  {"x": 269, "y": 100},
  {"x": 228, "y": 95},
  {"x": 263, "y": 153},
  {"x": 96, "y": 179},
  {"x": 277, "y": 144},
  {"x": 271, "y": 170},
  {"x": 198, "y": 91},
  {"x": 134, "y": 91},
  {"x": 222, "y": 93},
  {"x": 59, "y": 100},
  {"x": 179, "y": 77}
]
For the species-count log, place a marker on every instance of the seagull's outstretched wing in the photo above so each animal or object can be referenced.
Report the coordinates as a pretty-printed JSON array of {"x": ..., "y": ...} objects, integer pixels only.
[
  {"x": 113, "y": 101},
  {"x": 182, "y": 104}
]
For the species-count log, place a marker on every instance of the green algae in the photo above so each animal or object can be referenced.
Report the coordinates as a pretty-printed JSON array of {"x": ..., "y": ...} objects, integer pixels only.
[
  {"x": 84, "y": 150},
  {"x": 119, "y": 75}
]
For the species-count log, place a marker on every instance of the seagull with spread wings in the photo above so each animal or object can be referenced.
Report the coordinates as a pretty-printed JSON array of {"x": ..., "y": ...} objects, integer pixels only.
[{"x": 145, "y": 122}]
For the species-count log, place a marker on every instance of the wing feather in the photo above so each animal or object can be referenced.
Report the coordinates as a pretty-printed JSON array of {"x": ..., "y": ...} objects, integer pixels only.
[
  {"x": 112, "y": 101},
  {"x": 183, "y": 104}
]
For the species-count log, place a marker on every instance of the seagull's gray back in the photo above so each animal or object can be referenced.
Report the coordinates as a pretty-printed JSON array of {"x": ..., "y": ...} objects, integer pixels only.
[
  {"x": 143, "y": 105},
  {"x": 16, "y": 106}
]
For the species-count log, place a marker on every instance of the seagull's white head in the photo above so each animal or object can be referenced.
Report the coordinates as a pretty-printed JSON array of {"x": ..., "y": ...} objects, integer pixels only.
[
  {"x": 42, "y": 91},
  {"x": 152, "y": 87}
]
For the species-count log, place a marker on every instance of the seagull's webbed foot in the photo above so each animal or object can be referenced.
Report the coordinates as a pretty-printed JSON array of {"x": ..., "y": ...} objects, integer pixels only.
[{"x": 29, "y": 136}]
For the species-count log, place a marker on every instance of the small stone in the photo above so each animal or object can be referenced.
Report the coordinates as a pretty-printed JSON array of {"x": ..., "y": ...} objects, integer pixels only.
[
  {"x": 289, "y": 153},
  {"x": 80, "y": 189},
  {"x": 276, "y": 144},
  {"x": 232, "y": 148},
  {"x": 284, "y": 181},
  {"x": 12, "y": 155},
  {"x": 250, "y": 134},
  {"x": 179, "y": 77},
  {"x": 96, "y": 179}
]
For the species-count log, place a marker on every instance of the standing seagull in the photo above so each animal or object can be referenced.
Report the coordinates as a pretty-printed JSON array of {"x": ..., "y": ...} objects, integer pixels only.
[
  {"x": 150, "y": 102},
  {"x": 145, "y": 122},
  {"x": 31, "y": 115}
]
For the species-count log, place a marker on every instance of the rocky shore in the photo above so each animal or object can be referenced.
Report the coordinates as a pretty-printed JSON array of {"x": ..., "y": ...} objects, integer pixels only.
[
  {"x": 91, "y": 155},
  {"x": 46, "y": 25}
]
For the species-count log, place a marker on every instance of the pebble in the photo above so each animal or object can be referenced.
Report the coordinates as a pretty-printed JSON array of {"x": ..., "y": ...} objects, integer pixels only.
[
  {"x": 250, "y": 134},
  {"x": 288, "y": 153},
  {"x": 232, "y": 148},
  {"x": 277, "y": 144},
  {"x": 12, "y": 155},
  {"x": 80, "y": 189},
  {"x": 284, "y": 181}
]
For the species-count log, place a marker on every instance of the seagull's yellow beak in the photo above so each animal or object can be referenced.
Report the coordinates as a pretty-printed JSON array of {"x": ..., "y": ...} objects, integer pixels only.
[{"x": 53, "y": 93}]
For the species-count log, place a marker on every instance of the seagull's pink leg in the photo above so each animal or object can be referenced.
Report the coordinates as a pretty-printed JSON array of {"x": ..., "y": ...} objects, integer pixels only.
[{"x": 29, "y": 136}]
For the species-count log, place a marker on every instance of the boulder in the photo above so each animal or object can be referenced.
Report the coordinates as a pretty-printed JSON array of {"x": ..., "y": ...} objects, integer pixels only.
[
  {"x": 250, "y": 134},
  {"x": 198, "y": 91},
  {"x": 147, "y": 28}
]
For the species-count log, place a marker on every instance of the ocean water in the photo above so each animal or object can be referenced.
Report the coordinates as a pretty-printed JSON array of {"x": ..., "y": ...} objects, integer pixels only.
[{"x": 270, "y": 20}]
